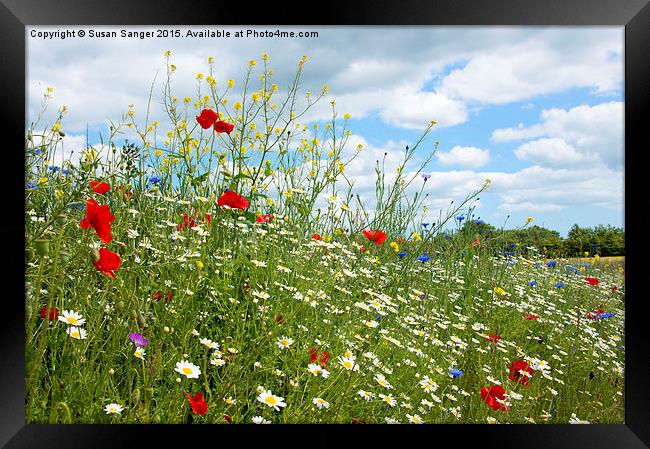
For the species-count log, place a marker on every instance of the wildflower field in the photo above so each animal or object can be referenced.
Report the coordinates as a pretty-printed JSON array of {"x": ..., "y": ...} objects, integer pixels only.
[{"x": 220, "y": 268}]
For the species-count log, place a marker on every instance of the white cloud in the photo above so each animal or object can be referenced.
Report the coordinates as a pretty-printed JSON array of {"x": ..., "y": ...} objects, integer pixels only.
[
  {"x": 548, "y": 62},
  {"x": 466, "y": 157},
  {"x": 550, "y": 152},
  {"x": 583, "y": 133}
]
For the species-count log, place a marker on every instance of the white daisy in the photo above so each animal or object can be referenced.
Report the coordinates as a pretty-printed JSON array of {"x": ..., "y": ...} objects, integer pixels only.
[
  {"x": 320, "y": 403},
  {"x": 415, "y": 419},
  {"x": 113, "y": 409},
  {"x": 77, "y": 332},
  {"x": 72, "y": 317},
  {"x": 367, "y": 395},
  {"x": 268, "y": 398},
  {"x": 209, "y": 343},
  {"x": 284, "y": 342},
  {"x": 260, "y": 420},
  {"x": 189, "y": 370}
]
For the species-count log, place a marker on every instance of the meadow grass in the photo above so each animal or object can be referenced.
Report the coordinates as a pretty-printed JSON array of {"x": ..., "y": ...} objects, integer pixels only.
[{"x": 284, "y": 308}]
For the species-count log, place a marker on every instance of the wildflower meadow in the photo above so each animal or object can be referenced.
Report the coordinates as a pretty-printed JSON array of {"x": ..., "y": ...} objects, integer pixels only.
[{"x": 218, "y": 266}]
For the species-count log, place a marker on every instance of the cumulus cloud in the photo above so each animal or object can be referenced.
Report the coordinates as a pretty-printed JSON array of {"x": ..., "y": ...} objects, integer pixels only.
[
  {"x": 580, "y": 134},
  {"x": 467, "y": 157},
  {"x": 551, "y": 61}
]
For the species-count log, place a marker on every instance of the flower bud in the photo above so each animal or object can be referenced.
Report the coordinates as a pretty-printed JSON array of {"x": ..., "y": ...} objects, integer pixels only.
[
  {"x": 135, "y": 395},
  {"x": 42, "y": 246}
]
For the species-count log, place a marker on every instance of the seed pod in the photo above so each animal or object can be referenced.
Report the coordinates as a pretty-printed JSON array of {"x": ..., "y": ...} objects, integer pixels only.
[
  {"x": 64, "y": 256},
  {"x": 156, "y": 419},
  {"x": 135, "y": 395},
  {"x": 42, "y": 246},
  {"x": 142, "y": 321},
  {"x": 148, "y": 394},
  {"x": 95, "y": 255},
  {"x": 120, "y": 305},
  {"x": 61, "y": 133}
]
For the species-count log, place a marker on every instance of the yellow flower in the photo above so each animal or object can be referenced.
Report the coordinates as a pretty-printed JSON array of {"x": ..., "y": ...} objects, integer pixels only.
[
  {"x": 42, "y": 181},
  {"x": 255, "y": 97},
  {"x": 346, "y": 116},
  {"x": 56, "y": 127},
  {"x": 168, "y": 53},
  {"x": 158, "y": 153},
  {"x": 417, "y": 236},
  {"x": 252, "y": 63},
  {"x": 530, "y": 220},
  {"x": 499, "y": 291},
  {"x": 199, "y": 76},
  {"x": 269, "y": 201},
  {"x": 395, "y": 246},
  {"x": 325, "y": 88},
  {"x": 199, "y": 265},
  {"x": 210, "y": 59},
  {"x": 338, "y": 231},
  {"x": 172, "y": 67},
  {"x": 231, "y": 83}
]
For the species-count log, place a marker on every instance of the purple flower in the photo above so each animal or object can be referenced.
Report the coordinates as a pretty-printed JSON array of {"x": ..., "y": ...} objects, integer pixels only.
[
  {"x": 138, "y": 339},
  {"x": 425, "y": 176}
]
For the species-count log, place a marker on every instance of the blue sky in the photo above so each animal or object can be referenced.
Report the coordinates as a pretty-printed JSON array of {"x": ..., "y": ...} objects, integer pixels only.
[{"x": 538, "y": 110}]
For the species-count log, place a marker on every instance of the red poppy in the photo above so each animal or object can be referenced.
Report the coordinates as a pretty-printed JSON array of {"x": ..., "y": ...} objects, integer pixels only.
[
  {"x": 188, "y": 222},
  {"x": 491, "y": 396},
  {"x": 516, "y": 369},
  {"x": 99, "y": 187},
  {"x": 227, "y": 418},
  {"x": 199, "y": 406},
  {"x": 158, "y": 295},
  {"x": 207, "y": 218},
  {"x": 494, "y": 337},
  {"x": 531, "y": 316},
  {"x": 52, "y": 314},
  {"x": 107, "y": 262},
  {"x": 313, "y": 355},
  {"x": 376, "y": 236},
  {"x": 362, "y": 249},
  {"x": 316, "y": 237},
  {"x": 280, "y": 319},
  {"x": 207, "y": 118},
  {"x": 592, "y": 281},
  {"x": 99, "y": 218},
  {"x": 475, "y": 243},
  {"x": 595, "y": 314},
  {"x": 232, "y": 199},
  {"x": 223, "y": 127},
  {"x": 264, "y": 218}
]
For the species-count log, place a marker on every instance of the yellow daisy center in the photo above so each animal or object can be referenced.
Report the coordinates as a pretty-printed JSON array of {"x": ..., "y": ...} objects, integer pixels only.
[
  {"x": 75, "y": 334},
  {"x": 347, "y": 364},
  {"x": 271, "y": 400},
  {"x": 72, "y": 320},
  {"x": 187, "y": 370}
]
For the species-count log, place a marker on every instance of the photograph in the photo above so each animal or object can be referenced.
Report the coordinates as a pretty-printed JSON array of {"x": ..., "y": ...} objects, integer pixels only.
[{"x": 324, "y": 224}]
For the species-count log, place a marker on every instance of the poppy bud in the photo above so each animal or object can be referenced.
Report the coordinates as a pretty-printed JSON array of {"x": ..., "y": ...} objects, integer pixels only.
[
  {"x": 111, "y": 371},
  {"x": 61, "y": 133},
  {"x": 63, "y": 411},
  {"x": 29, "y": 254},
  {"x": 166, "y": 330},
  {"x": 142, "y": 321},
  {"x": 156, "y": 419},
  {"x": 154, "y": 190},
  {"x": 43, "y": 405},
  {"x": 64, "y": 256},
  {"x": 95, "y": 255},
  {"x": 42, "y": 246},
  {"x": 148, "y": 394},
  {"x": 135, "y": 395},
  {"x": 120, "y": 305}
]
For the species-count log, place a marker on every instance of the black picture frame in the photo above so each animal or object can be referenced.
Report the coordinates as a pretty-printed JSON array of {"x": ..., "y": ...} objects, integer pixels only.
[{"x": 634, "y": 15}]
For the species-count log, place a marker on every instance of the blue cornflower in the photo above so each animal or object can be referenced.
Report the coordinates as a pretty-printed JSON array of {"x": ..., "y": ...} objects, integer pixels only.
[
  {"x": 78, "y": 206},
  {"x": 594, "y": 244},
  {"x": 510, "y": 253},
  {"x": 65, "y": 171},
  {"x": 478, "y": 222},
  {"x": 447, "y": 236},
  {"x": 552, "y": 263},
  {"x": 425, "y": 224},
  {"x": 402, "y": 254},
  {"x": 606, "y": 315},
  {"x": 559, "y": 285},
  {"x": 456, "y": 373},
  {"x": 460, "y": 217},
  {"x": 513, "y": 244},
  {"x": 155, "y": 179},
  {"x": 30, "y": 186},
  {"x": 423, "y": 258},
  {"x": 425, "y": 176},
  {"x": 53, "y": 168},
  {"x": 379, "y": 316},
  {"x": 532, "y": 283}
]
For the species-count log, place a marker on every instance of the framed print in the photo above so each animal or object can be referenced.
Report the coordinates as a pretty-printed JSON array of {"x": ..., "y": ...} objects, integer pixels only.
[{"x": 414, "y": 214}]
